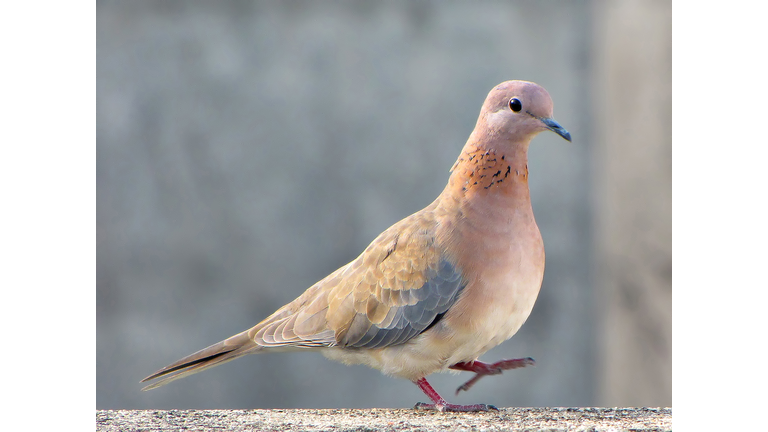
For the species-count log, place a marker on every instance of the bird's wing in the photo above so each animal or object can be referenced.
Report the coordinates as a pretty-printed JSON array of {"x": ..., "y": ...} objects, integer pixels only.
[{"x": 396, "y": 289}]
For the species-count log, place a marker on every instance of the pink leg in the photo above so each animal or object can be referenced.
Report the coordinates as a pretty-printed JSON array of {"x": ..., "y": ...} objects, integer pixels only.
[
  {"x": 441, "y": 405},
  {"x": 483, "y": 369}
]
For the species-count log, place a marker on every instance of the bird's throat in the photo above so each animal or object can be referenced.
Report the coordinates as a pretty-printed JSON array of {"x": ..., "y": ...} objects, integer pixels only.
[{"x": 482, "y": 171}]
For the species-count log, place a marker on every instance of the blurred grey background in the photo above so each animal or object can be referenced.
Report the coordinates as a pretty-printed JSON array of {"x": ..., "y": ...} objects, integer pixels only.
[{"x": 246, "y": 149}]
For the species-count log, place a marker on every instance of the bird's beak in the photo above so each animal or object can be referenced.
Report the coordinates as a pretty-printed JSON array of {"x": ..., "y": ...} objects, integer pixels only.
[{"x": 556, "y": 128}]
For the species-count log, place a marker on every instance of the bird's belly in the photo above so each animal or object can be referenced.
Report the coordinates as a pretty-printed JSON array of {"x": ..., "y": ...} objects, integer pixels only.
[{"x": 412, "y": 360}]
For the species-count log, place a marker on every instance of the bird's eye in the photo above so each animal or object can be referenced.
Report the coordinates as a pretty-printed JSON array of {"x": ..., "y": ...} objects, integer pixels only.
[{"x": 515, "y": 104}]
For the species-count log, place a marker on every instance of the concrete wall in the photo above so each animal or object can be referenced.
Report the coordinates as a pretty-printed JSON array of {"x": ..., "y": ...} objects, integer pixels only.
[{"x": 247, "y": 149}]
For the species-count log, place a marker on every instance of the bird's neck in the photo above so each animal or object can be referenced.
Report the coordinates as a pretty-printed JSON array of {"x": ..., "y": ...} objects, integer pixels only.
[
  {"x": 488, "y": 192},
  {"x": 487, "y": 171}
]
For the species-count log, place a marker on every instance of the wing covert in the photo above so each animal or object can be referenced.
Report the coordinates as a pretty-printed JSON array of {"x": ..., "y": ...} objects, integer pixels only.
[{"x": 423, "y": 307}]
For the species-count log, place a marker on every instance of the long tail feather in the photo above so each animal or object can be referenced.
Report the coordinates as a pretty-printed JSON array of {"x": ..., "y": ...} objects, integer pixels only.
[{"x": 216, "y": 354}]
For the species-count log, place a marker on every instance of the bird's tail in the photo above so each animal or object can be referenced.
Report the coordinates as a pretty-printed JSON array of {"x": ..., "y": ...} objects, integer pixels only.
[{"x": 216, "y": 354}]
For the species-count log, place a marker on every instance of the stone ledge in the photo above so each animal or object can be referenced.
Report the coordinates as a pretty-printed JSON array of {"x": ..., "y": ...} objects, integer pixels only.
[{"x": 506, "y": 419}]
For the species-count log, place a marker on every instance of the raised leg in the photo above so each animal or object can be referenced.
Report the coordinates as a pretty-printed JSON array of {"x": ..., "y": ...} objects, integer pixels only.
[
  {"x": 441, "y": 405},
  {"x": 483, "y": 369}
]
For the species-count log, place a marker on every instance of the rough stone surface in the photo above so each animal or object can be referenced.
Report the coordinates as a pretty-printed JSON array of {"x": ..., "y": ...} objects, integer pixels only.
[{"x": 507, "y": 419}]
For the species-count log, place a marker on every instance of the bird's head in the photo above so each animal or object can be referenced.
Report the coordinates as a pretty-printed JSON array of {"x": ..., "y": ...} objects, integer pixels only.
[{"x": 517, "y": 111}]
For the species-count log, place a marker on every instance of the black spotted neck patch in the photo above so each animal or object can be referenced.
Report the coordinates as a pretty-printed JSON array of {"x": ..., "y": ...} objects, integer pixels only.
[{"x": 486, "y": 170}]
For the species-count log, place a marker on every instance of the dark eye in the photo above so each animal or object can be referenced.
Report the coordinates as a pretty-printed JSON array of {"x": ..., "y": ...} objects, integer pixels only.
[{"x": 515, "y": 104}]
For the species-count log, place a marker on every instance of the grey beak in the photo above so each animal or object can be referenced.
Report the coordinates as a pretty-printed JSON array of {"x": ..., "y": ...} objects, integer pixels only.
[{"x": 556, "y": 128}]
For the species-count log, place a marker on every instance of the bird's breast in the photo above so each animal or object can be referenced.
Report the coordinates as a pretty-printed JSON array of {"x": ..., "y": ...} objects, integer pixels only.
[{"x": 500, "y": 252}]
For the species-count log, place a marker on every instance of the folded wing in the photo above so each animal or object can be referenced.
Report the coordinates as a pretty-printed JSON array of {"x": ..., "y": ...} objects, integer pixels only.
[{"x": 400, "y": 286}]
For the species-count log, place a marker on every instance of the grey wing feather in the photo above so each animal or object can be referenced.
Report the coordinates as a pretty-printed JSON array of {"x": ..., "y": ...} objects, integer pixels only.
[{"x": 433, "y": 299}]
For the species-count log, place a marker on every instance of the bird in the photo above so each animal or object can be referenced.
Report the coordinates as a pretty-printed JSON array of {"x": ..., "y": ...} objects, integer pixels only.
[{"x": 437, "y": 289}]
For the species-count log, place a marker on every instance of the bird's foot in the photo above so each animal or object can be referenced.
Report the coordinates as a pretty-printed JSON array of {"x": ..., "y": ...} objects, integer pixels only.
[
  {"x": 446, "y": 407},
  {"x": 482, "y": 369},
  {"x": 439, "y": 404}
]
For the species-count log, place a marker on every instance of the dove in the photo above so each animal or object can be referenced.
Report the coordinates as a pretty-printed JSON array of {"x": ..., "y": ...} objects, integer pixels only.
[{"x": 439, "y": 288}]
